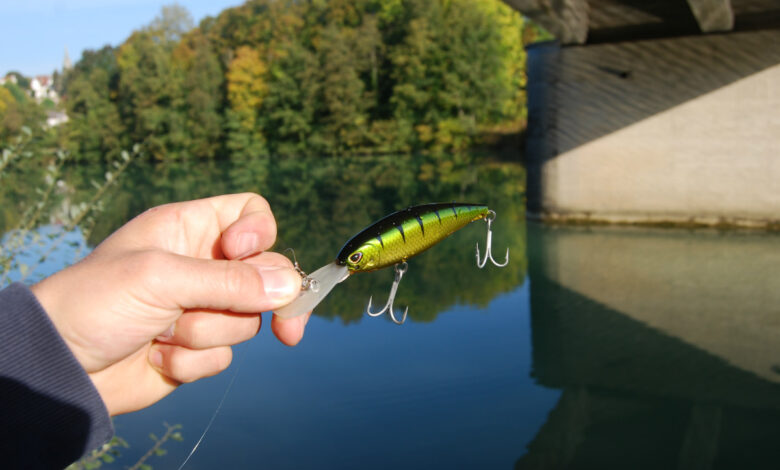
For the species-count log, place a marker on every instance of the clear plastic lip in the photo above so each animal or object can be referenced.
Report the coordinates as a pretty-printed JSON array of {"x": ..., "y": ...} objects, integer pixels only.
[{"x": 323, "y": 281}]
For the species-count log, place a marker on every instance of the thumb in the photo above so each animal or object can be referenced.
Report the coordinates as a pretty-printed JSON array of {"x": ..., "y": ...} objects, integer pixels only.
[{"x": 232, "y": 285}]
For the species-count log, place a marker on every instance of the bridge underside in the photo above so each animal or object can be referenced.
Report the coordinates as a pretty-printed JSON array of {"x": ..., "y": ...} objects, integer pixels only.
[
  {"x": 595, "y": 21},
  {"x": 636, "y": 116}
]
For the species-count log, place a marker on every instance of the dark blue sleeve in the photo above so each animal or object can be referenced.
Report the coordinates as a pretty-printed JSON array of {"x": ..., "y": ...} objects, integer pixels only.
[{"x": 50, "y": 412}]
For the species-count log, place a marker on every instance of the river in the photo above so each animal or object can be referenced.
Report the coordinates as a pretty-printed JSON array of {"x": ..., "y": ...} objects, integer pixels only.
[{"x": 597, "y": 347}]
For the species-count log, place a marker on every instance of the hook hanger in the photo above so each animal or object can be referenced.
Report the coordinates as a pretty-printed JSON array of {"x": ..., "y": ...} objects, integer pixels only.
[
  {"x": 489, "y": 245},
  {"x": 306, "y": 281},
  {"x": 400, "y": 269}
]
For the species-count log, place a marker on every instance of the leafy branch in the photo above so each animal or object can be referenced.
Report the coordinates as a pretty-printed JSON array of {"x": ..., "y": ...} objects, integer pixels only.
[
  {"x": 171, "y": 432},
  {"x": 22, "y": 236},
  {"x": 105, "y": 454},
  {"x": 109, "y": 452},
  {"x": 16, "y": 149}
]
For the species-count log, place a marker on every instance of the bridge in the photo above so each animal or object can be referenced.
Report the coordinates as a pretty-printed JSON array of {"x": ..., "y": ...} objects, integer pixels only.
[{"x": 655, "y": 111}]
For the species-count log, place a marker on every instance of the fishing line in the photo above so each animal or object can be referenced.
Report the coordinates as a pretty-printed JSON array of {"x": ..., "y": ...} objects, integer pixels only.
[{"x": 216, "y": 411}]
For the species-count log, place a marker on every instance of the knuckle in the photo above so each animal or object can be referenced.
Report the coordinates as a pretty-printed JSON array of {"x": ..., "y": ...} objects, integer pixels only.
[
  {"x": 210, "y": 362},
  {"x": 237, "y": 278},
  {"x": 147, "y": 265},
  {"x": 271, "y": 225},
  {"x": 258, "y": 201},
  {"x": 222, "y": 359},
  {"x": 278, "y": 259},
  {"x": 240, "y": 278},
  {"x": 245, "y": 329},
  {"x": 166, "y": 213},
  {"x": 185, "y": 378}
]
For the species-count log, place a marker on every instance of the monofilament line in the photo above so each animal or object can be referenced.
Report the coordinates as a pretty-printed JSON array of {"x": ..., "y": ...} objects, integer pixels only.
[{"x": 216, "y": 412}]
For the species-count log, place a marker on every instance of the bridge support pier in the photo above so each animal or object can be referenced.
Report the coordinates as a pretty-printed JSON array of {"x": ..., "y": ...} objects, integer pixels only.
[{"x": 674, "y": 130}]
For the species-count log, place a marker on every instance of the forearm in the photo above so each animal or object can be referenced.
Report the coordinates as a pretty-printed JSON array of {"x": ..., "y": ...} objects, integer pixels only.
[{"x": 52, "y": 413}]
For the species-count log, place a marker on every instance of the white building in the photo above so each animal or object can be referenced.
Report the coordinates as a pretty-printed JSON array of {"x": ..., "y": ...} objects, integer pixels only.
[
  {"x": 41, "y": 88},
  {"x": 8, "y": 79},
  {"x": 55, "y": 118}
]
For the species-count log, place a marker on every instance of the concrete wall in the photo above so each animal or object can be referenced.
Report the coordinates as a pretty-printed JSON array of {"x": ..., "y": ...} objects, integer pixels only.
[{"x": 684, "y": 130}]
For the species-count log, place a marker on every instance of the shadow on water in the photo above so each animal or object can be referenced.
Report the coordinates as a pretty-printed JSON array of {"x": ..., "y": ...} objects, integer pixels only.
[{"x": 664, "y": 344}]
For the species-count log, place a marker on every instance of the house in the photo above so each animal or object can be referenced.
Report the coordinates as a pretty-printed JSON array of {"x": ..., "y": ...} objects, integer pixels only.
[
  {"x": 55, "y": 118},
  {"x": 41, "y": 87},
  {"x": 8, "y": 79}
]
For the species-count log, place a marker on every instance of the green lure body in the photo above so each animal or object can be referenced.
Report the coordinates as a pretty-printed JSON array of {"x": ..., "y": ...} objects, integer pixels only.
[
  {"x": 406, "y": 233},
  {"x": 391, "y": 241}
]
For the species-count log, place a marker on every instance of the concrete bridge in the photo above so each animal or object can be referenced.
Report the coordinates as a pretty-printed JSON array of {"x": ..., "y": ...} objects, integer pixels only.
[{"x": 655, "y": 111}]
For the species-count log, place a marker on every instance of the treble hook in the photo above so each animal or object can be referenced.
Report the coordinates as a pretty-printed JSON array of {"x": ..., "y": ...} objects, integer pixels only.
[
  {"x": 399, "y": 273},
  {"x": 488, "y": 251}
]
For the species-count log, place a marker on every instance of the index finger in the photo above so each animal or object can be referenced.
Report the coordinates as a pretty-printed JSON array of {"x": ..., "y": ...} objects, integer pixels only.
[
  {"x": 251, "y": 230},
  {"x": 204, "y": 228}
]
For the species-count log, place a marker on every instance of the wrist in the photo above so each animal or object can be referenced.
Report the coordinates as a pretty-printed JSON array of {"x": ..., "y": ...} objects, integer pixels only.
[{"x": 45, "y": 291}]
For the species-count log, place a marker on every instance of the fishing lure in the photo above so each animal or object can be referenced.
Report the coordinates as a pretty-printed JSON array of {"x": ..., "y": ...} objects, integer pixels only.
[{"x": 390, "y": 242}]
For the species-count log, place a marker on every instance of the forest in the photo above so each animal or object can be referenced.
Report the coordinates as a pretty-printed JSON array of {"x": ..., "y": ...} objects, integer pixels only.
[{"x": 293, "y": 77}]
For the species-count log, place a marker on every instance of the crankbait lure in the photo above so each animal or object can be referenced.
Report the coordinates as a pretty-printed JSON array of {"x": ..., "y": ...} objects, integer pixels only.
[{"x": 391, "y": 241}]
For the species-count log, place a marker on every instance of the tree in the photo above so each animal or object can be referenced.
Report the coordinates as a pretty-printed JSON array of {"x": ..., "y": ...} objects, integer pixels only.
[
  {"x": 246, "y": 89},
  {"x": 11, "y": 117},
  {"x": 17, "y": 110},
  {"x": 317, "y": 76},
  {"x": 95, "y": 130},
  {"x": 203, "y": 95},
  {"x": 170, "y": 26},
  {"x": 450, "y": 72},
  {"x": 22, "y": 81},
  {"x": 288, "y": 112},
  {"x": 150, "y": 96}
]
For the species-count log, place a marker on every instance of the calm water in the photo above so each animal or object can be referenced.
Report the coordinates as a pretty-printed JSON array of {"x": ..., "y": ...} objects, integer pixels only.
[{"x": 595, "y": 348}]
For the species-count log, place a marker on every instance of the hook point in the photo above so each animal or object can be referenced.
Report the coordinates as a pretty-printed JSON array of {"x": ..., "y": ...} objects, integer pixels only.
[{"x": 400, "y": 269}]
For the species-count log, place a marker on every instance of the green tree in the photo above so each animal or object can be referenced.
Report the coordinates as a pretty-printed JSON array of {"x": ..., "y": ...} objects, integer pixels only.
[
  {"x": 342, "y": 117},
  {"x": 246, "y": 89},
  {"x": 11, "y": 117},
  {"x": 288, "y": 111},
  {"x": 203, "y": 95},
  {"x": 150, "y": 96},
  {"x": 449, "y": 71},
  {"x": 285, "y": 77},
  {"x": 18, "y": 111},
  {"x": 22, "y": 81},
  {"x": 95, "y": 130}
]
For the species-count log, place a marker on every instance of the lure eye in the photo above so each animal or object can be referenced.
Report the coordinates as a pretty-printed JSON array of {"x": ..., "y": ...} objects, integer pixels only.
[{"x": 355, "y": 258}]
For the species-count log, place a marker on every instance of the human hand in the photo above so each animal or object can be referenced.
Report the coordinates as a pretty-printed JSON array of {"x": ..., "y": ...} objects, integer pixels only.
[{"x": 161, "y": 300}]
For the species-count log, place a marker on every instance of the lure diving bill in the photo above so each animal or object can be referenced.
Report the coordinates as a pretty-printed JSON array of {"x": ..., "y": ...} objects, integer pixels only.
[{"x": 391, "y": 241}]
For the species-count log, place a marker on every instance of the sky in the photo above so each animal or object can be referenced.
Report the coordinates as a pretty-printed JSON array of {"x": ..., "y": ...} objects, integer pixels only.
[{"x": 35, "y": 33}]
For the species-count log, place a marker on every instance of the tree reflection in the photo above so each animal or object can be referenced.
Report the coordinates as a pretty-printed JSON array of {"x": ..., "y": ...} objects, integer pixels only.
[{"x": 320, "y": 203}]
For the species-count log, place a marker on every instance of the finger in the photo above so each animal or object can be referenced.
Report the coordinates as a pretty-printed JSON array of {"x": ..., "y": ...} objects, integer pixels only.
[
  {"x": 132, "y": 384},
  {"x": 289, "y": 330},
  {"x": 208, "y": 329},
  {"x": 188, "y": 365},
  {"x": 269, "y": 258},
  {"x": 173, "y": 281},
  {"x": 231, "y": 207},
  {"x": 251, "y": 231},
  {"x": 196, "y": 227}
]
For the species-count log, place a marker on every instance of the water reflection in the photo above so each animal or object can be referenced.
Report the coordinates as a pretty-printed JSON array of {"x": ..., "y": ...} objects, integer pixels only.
[
  {"x": 320, "y": 203},
  {"x": 353, "y": 390},
  {"x": 638, "y": 348},
  {"x": 664, "y": 343},
  {"x": 47, "y": 249}
]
